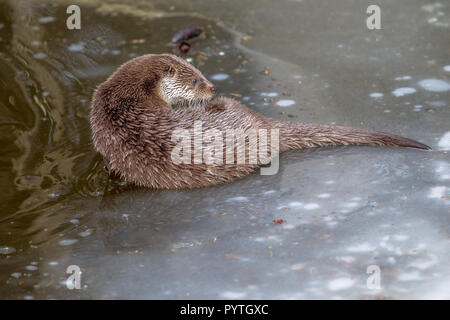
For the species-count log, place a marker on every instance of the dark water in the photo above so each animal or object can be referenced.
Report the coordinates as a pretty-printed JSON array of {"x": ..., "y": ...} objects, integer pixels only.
[{"x": 345, "y": 208}]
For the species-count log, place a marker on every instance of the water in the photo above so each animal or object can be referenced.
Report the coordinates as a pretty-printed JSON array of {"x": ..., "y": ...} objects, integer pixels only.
[{"x": 342, "y": 209}]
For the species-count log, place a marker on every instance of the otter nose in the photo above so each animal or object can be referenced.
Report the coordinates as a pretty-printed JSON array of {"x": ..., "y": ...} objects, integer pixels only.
[{"x": 213, "y": 89}]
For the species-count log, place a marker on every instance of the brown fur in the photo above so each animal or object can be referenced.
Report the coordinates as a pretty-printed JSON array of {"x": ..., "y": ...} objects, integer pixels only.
[{"x": 132, "y": 123}]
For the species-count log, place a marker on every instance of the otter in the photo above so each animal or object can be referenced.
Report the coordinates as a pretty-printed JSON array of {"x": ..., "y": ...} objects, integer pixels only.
[{"x": 133, "y": 118}]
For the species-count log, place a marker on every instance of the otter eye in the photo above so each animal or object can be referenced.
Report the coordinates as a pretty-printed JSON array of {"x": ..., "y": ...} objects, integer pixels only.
[{"x": 194, "y": 81}]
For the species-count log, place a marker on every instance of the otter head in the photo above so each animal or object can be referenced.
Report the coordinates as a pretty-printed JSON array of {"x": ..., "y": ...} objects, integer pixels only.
[
  {"x": 174, "y": 80},
  {"x": 183, "y": 83},
  {"x": 156, "y": 81}
]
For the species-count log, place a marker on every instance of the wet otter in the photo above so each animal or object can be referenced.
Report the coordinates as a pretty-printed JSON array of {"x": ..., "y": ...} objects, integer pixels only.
[{"x": 133, "y": 123}]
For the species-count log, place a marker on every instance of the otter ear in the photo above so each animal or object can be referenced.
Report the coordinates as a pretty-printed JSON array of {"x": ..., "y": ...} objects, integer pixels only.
[{"x": 170, "y": 71}]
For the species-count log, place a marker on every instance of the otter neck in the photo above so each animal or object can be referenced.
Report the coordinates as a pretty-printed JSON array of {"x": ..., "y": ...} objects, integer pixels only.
[{"x": 121, "y": 107}]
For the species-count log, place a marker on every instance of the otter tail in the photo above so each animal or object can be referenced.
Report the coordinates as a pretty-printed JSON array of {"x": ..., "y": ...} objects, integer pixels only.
[{"x": 298, "y": 136}]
